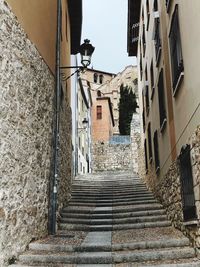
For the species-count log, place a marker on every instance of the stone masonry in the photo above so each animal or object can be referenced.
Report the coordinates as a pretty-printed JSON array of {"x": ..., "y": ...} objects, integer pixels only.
[
  {"x": 26, "y": 119},
  {"x": 107, "y": 157},
  {"x": 168, "y": 189}
]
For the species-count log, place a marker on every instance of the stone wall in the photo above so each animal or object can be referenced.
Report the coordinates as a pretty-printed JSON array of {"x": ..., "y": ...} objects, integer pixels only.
[
  {"x": 168, "y": 189},
  {"x": 26, "y": 118},
  {"x": 110, "y": 157},
  {"x": 135, "y": 142}
]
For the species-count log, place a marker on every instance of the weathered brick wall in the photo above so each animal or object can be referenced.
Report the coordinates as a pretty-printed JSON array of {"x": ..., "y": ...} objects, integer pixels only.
[
  {"x": 111, "y": 156},
  {"x": 26, "y": 118},
  {"x": 168, "y": 189}
]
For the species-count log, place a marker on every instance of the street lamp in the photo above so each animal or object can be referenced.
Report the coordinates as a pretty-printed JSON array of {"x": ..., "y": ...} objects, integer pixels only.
[{"x": 86, "y": 50}]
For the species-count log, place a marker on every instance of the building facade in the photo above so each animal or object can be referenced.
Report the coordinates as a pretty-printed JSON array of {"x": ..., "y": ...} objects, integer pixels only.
[
  {"x": 162, "y": 34},
  {"x": 27, "y": 117}
]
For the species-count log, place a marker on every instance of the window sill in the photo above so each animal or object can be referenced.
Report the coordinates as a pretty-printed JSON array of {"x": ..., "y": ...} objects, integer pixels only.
[
  {"x": 180, "y": 78},
  {"x": 194, "y": 222},
  {"x": 162, "y": 127},
  {"x": 157, "y": 170}
]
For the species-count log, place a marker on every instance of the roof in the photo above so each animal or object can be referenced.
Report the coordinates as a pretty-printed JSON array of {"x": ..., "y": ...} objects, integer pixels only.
[
  {"x": 100, "y": 71},
  {"x": 133, "y": 18},
  {"x": 110, "y": 107},
  {"x": 75, "y": 14}
]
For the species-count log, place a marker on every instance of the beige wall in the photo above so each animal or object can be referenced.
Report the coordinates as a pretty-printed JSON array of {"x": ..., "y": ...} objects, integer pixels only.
[
  {"x": 38, "y": 18},
  {"x": 183, "y": 111}
]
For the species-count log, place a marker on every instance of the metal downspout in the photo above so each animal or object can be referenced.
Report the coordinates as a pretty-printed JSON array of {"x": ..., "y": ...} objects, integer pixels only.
[{"x": 56, "y": 123}]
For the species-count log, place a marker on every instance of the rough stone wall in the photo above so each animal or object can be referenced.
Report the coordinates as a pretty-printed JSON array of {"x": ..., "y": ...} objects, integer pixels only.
[
  {"x": 26, "y": 118},
  {"x": 65, "y": 155},
  {"x": 135, "y": 142},
  {"x": 168, "y": 189},
  {"x": 109, "y": 157}
]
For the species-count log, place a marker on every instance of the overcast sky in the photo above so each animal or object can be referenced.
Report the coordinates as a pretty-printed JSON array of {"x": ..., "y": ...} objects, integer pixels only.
[{"x": 105, "y": 25}]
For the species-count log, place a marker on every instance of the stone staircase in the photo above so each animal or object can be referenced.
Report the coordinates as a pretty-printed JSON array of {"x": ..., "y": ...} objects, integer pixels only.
[{"x": 112, "y": 220}]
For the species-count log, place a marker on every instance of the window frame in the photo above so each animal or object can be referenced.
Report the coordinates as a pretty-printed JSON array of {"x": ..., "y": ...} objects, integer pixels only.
[
  {"x": 176, "y": 55},
  {"x": 99, "y": 112},
  {"x": 161, "y": 101}
]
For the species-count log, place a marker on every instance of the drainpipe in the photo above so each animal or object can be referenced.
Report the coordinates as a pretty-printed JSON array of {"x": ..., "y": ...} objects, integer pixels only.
[{"x": 56, "y": 124}]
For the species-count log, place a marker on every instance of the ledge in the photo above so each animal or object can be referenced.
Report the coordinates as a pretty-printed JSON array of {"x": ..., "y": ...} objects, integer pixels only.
[
  {"x": 180, "y": 78},
  {"x": 191, "y": 223}
]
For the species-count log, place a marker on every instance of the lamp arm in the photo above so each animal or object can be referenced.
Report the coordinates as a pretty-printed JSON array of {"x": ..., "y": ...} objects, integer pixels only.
[{"x": 64, "y": 78}]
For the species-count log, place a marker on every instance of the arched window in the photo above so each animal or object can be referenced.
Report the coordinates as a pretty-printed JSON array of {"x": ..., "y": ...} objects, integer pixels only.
[
  {"x": 95, "y": 77},
  {"x": 100, "y": 78},
  {"x": 99, "y": 93}
]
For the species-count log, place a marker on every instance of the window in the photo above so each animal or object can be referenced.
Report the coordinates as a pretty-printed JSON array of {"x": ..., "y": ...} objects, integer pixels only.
[
  {"x": 176, "y": 52},
  {"x": 146, "y": 92},
  {"x": 95, "y": 77},
  {"x": 149, "y": 142},
  {"x": 155, "y": 5},
  {"x": 156, "y": 151},
  {"x": 99, "y": 112},
  {"x": 188, "y": 199},
  {"x": 100, "y": 78},
  {"x": 143, "y": 119},
  {"x": 145, "y": 154},
  {"x": 157, "y": 40},
  {"x": 161, "y": 99},
  {"x": 152, "y": 80},
  {"x": 141, "y": 71},
  {"x": 168, "y": 4},
  {"x": 143, "y": 40},
  {"x": 98, "y": 93},
  {"x": 148, "y": 14}
]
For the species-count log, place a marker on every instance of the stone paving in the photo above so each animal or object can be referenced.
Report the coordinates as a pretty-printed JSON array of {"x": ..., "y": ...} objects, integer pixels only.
[{"x": 112, "y": 220}]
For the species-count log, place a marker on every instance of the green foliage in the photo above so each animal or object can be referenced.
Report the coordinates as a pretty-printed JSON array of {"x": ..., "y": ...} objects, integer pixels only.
[{"x": 127, "y": 106}]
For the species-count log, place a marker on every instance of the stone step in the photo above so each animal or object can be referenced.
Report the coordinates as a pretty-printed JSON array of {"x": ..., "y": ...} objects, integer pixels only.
[
  {"x": 113, "y": 196},
  {"x": 106, "y": 191},
  {"x": 108, "y": 204},
  {"x": 108, "y": 210},
  {"x": 113, "y": 215},
  {"x": 114, "y": 221},
  {"x": 110, "y": 227},
  {"x": 108, "y": 257},
  {"x": 116, "y": 200},
  {"x": 168, "y": 243}
]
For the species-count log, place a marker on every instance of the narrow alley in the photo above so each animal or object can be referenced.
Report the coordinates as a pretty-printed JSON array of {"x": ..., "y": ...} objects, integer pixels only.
[{"x": 112, "y": 220}]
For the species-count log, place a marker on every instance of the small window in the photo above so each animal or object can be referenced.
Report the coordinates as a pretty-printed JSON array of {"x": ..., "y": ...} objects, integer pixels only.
[
  {"x": 141, "y": 71},
  {"x": 188, "y": 198},
  {"x": 98, "y": 93},
  {"x": 168, "y": 4},
  {"x": 161, "y": 99},
  {"x": 145, "y": 154},
  {"x": 176, "y": 51},
  {"x": 155, "y": 5},
  {"x": 95, "y": 77},
  {"x": 146, "y": 91},
  {"x": 148, "y": 14},
  {"x": 156, "y": 151},
  {"x": 100, "y": 78},
  {"x": 152, "y": 80},
  {"x": 149, "y": 142},
  {"x": 144, "y": 40},
  {"x": 157, "y": 40},
  {"x": 99, "y": 112}
]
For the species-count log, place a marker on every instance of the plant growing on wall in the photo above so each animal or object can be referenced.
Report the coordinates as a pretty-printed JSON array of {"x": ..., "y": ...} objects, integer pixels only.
[{"x": 127, "y": 106}]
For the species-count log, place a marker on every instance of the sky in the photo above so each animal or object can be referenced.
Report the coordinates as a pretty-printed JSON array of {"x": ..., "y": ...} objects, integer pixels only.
[{"x": 105, "y": 25}]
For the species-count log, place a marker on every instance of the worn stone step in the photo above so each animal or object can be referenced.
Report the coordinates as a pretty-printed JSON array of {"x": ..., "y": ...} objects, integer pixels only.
[
  {"x": 116, "y": 200},
  {"x": 108, "y": 257},
  {"x": 90, "y": 204},
  {"x": 109, "y": 196},
  {"x": 168, "y": 243},
  {"x": 77, "y": 227},
  {"x": 104, "y": 191},
  {"x": 104, "y": 221},
  {"x": 108, "y": 210},
  {"x": 113, "y": 215},
  {"x": 195, "y": 263}
]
